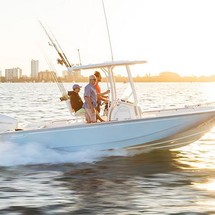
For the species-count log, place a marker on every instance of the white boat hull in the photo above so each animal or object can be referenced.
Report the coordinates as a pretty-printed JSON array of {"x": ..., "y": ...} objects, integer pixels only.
[
  {"x": 146, "y": 132},
  {"x": 7, "y": 123}
]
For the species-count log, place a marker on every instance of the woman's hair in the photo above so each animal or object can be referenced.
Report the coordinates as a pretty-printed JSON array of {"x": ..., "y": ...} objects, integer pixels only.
[{"x": 97, "y": 74}]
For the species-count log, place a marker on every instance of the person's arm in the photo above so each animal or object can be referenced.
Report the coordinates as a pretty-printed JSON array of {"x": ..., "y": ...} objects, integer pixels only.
[
  {"x": 102, "y": 97},
  {"x": 104, "y": 93}
]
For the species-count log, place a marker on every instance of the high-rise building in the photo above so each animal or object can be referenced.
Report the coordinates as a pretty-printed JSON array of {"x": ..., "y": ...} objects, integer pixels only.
[
  {"x": 34, "y": 68},
  {"x": 45, "y": 76},
  {"x": 13, "y": 74}
]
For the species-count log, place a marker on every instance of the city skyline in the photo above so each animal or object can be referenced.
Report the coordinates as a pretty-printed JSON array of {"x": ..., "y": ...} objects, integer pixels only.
[{"x": 16, "y": 75}]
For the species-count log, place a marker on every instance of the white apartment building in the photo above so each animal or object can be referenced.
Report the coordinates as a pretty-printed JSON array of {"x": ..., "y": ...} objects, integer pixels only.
[
  {"x": 34, "y": 68},
  {"x": 12, "y": 74}
]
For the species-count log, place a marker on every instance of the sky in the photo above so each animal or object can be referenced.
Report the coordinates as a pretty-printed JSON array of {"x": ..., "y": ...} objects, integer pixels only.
[{"x": 171, "y": 35}]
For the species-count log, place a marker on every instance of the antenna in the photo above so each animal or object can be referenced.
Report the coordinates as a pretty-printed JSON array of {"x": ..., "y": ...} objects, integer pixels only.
[
  {"x": 107, "y": 30},
  {"x": 79, "y": 57}
]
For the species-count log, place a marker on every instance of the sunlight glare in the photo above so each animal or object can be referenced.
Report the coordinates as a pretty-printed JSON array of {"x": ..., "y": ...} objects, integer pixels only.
[
  {"x": 208, "y": 90},
  {"x": 199, "y": 155},
  {"x": 209, "y": 185}
]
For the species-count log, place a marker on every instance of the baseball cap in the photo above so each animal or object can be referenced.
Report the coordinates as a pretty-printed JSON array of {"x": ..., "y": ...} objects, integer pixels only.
[{"x": 75, "y": 86}]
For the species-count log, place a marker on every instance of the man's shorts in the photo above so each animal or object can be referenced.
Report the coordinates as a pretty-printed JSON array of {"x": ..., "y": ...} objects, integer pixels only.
[{"x": 90, "y": 117}]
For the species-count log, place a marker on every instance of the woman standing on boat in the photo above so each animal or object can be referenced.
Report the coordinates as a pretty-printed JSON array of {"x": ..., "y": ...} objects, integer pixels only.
[{"x": 100, "y": 96}]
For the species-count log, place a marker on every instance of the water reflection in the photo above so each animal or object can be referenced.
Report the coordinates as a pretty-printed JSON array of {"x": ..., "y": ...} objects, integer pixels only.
[
  {"x": 199, "y": 159},
  {"x": 148, "y": 183},
  {"x": 128, "y": 184},
  {"x": 199, "y": 155}
]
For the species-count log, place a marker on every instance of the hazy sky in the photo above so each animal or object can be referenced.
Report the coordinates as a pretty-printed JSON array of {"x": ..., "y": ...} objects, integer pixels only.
[{"x": 172, "y": 35}]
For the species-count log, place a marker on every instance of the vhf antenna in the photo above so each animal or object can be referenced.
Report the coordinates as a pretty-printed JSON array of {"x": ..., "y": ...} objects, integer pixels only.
[{"x": 107, "y": 30}]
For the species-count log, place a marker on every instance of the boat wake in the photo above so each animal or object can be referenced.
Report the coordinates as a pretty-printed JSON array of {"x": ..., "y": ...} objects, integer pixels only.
[{"x": 12, "y": 154}]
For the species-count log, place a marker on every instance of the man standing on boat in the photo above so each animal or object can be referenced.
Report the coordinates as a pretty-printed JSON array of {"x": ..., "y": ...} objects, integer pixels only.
[{"x": 90, "y": 97}]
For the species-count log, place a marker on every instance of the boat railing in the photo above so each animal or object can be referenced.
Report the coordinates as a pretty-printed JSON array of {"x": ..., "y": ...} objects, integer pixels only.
[
  {"x": 207, "y": 104},
  {"x": 186, "y": 109}
]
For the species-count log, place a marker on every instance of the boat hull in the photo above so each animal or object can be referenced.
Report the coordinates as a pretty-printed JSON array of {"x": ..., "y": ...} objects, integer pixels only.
[
  {"x": 178, "y": 140},
  {"x": 7, "y": 123},
  {"x": 147, "y": 132}
]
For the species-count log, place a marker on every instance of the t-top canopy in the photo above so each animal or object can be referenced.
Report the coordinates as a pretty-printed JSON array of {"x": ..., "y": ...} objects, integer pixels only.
[{"x": 106, "y": 64}]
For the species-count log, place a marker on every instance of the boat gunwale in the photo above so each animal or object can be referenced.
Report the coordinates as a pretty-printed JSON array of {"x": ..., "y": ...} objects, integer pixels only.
[{"x": 107, "y": 123}]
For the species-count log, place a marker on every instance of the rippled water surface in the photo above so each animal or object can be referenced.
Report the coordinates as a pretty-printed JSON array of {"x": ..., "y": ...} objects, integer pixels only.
[{"x": 42, "y": 181}]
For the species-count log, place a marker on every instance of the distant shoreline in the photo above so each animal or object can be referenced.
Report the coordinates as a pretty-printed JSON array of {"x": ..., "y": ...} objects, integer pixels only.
[{"x": 162, "y": 77}]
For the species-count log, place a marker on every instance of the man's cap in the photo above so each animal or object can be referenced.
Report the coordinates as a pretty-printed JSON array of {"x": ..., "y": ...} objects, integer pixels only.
[
  {"x": 75, "y": 86},
  {"x": 92, "y": 77}
]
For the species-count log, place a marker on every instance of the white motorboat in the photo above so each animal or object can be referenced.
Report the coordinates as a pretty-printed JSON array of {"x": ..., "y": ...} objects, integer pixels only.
[{"x": 126, "y": 126}]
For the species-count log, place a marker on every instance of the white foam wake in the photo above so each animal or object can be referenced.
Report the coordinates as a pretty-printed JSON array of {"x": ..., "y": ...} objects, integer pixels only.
[{"x": 12, "y": 154}]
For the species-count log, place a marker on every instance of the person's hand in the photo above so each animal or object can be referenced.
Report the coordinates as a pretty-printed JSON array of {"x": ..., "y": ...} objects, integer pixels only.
[
  {"x": 108, "y": 91},
  {"x": 93, "y": 110},
  {"x": 64, "y": 98}
]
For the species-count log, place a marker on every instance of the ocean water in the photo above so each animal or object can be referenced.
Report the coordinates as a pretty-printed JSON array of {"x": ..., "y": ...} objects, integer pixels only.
[{"x": 36, "y": 180}]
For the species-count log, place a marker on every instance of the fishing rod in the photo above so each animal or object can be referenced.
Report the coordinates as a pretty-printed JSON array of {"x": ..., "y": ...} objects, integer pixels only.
[
  {"x": 63, "y": 59},
  {"x": 60, "y": 85},
  {"x": 66, "y": 59}
]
